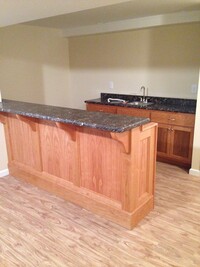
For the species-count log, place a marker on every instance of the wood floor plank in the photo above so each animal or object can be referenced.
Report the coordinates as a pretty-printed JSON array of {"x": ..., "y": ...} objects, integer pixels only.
[{"x": 40, "y": 229}]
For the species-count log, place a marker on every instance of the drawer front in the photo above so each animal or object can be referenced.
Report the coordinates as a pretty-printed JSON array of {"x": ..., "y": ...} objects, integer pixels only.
[
  {"x": 101, "y": 108},
  {"x": 173, "y": 118},
  {"x": 137, "y": 112}
]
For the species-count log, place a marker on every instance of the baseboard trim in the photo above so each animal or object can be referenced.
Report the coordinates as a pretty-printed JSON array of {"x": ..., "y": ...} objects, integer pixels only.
[
  {"x": 4, "y": 173},
  {"x": 194, "y": 172}
]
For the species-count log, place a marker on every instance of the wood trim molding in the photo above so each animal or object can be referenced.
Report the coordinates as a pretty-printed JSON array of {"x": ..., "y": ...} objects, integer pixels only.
[
  {"x": 4, "y": 172},
  {"x": 70, "y": 129},
  {"x": 148, "y": 126},
  {"x": 194, "y": 172},
  {"x": 30, "y": 121},
  {"x": 3, "y": 118},
  {"x": 123, "y": 138}
]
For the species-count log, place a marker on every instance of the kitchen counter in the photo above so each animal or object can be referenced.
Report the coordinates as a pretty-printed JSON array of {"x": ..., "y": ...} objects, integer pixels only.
[
  {"x": 102, "y": 162},
  {"x": 97, "y": 120},
  {"x": 158, "y": 103}
]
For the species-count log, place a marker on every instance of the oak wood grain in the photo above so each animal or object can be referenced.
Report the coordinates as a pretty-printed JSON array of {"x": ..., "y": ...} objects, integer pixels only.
[
  {"x": 23, "y": 140},
  {"x": 107, "y": 173},
  {"x": 58, "y": 150},
  {"x": 137, "y": 112},
  {"x": 169, "y": 129},
  {"x": 173, "y": 118},
  {"x": 101, "y": 108},
  {"x": 102, "y": 167}
]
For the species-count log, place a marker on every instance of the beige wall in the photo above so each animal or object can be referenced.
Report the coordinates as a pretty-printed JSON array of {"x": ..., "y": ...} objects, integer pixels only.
[
  {"x": 34, "y": 68},
  {"x": 34, "y": 65},
  {"x": 195, "y": 170},
  {"x": 164, "y": 59}
]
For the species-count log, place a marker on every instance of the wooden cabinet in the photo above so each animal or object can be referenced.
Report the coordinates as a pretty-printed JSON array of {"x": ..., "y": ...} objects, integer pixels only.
[
  {"x": 175, "y": 131},
  {"x": 182, "y": 119},
  {"x": 112, "y": 174},
  {"x": 137, "y": 112},
  {"x": 101, "y": 108},
  {"x": 175, "y": 137}
]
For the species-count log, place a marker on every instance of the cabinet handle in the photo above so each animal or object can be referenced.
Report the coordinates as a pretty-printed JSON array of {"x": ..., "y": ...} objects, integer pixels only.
[
  {"x": 170, "y": 129},
  {"x": 171, "y": 119}
]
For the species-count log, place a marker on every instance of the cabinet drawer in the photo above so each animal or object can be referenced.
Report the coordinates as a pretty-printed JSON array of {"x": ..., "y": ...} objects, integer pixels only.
[
  {"x": 173, "y": 118},
  {"x": 101, "y": 108},
  {"x": 137, "y": 112}
]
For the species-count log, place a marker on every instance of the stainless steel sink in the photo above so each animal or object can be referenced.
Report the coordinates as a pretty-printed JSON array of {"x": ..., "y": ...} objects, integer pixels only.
[
  {"x": 133, "y": 103},
  {"x": 139, "y": 103}
]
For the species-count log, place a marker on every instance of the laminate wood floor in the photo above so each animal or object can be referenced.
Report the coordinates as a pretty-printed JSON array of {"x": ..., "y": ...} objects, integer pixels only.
[{"x": 39, "y": 229}]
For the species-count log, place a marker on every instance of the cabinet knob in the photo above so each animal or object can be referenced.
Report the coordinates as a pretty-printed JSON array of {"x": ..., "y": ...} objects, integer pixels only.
[{"x": 170, "y": 129}]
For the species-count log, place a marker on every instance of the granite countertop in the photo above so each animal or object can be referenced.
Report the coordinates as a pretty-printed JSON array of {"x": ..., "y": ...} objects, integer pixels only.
[
  {"x": 97, "y": 120},
  {"x": 158, "y": 103}
]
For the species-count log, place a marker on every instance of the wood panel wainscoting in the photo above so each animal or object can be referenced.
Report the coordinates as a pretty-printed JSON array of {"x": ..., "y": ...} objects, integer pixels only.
[{"x": 111, "y": 174}]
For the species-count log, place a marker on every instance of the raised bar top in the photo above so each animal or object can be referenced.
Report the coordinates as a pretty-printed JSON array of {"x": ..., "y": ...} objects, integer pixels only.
[{"x": 98, "y": 120}]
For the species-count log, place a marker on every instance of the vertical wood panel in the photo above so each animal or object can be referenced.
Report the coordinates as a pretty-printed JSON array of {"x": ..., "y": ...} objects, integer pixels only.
[
  {"x": 147, "y": 161},
  {"x": 163, "y": 139},
  {"x": 131, "y": 173},
  {"x": 24, "y": 143},
  {"x": 110, "y": 174},
  {"x": 144, "y": 166},
  {"x": 182, "y": 142},
  {"x": 58, "y": 151},
  {"x": 140, "y": 167},
  {"x": 101, "y": 163}
]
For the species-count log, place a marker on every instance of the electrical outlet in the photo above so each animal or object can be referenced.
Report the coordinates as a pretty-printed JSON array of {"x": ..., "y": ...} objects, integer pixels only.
[
  {"x": 194, "y": 88},
  {"x": 111, "y": 84}
]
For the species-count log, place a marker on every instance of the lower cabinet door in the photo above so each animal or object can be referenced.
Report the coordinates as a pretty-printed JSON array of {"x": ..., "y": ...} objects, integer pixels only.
[
  {"x": 163, "y": 145},
  {"x": 175, "y": 144},
  {"x": 181, "y": 143}
]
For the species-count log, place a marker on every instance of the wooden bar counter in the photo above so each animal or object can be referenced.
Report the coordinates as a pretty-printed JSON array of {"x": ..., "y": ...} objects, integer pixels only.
[{"x": 102, "y": 162}]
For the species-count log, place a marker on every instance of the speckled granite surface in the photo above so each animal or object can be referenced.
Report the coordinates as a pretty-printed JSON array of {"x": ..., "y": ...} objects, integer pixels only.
[
  {"x": 97, "y": 120},
  {"x": 158, "y": 103}
]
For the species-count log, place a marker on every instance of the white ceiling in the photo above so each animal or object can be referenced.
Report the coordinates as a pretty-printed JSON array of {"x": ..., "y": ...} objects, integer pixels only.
[
  {"x": 120, "y": 11},
  {"x": 17, "y": 11},
  {"x": 76, "y": 16}
]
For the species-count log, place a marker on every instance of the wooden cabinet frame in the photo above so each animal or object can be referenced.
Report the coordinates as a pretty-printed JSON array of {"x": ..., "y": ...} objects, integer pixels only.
[
  {"x": 101, "y": 108},
  {"x": 169, "y": 123},
  {"x": 111, "y": 174}
]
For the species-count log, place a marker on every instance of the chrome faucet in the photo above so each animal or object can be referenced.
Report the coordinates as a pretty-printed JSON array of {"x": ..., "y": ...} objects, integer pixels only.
[{"x": 143, "y": 97}]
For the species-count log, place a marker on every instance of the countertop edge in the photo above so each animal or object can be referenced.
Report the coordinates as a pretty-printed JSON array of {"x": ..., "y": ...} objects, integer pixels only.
[{"x": 95, "y": 120}]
